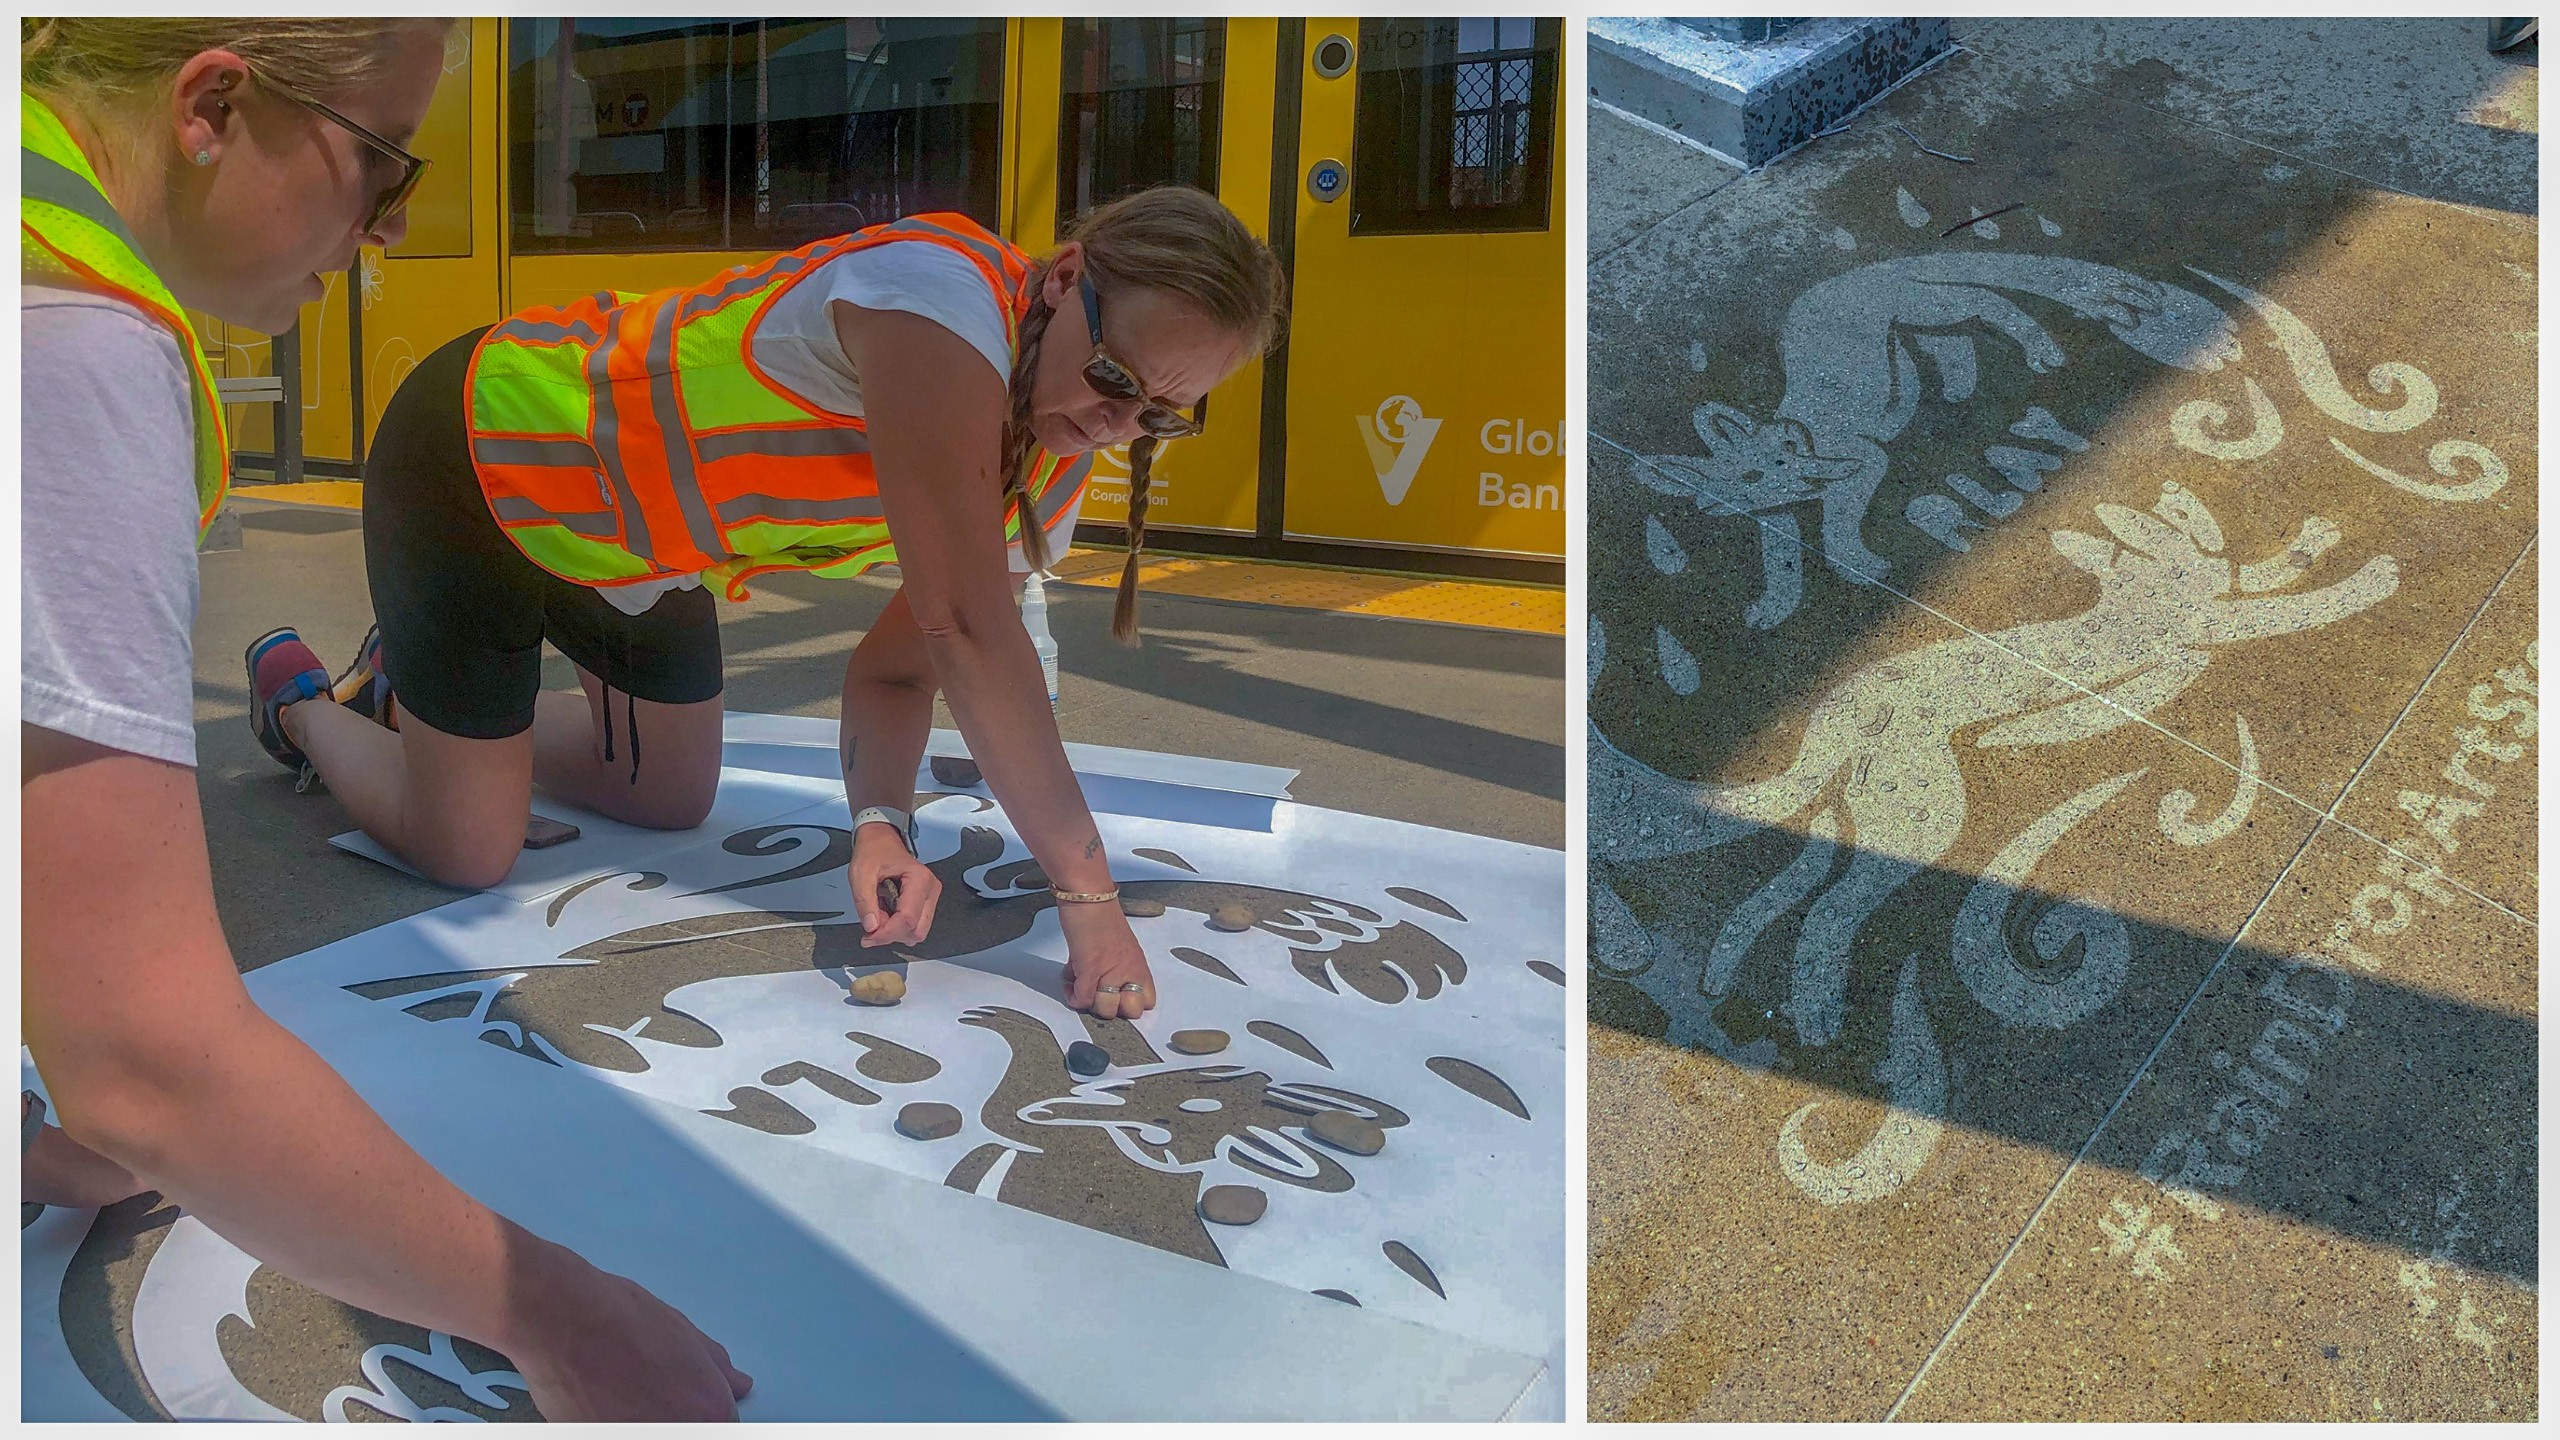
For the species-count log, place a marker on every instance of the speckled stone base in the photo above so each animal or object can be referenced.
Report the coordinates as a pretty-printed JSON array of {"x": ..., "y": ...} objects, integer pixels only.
[{"x": 1754, "y": 101}]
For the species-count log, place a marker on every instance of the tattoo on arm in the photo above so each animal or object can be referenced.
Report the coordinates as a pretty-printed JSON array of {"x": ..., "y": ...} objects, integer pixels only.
[
  {"x": 850, "y": 745},
  {"x": 1093, "y": 847}
]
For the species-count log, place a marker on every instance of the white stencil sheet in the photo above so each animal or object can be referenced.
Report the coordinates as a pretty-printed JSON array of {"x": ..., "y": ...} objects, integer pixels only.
[{"x": 1406, "y": 977}]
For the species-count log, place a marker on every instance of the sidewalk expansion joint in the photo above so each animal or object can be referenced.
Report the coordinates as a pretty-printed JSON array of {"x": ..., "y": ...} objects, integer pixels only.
[
  {"x": 2325, "y": 813},
  {"x": 2134, "y": 1082}
]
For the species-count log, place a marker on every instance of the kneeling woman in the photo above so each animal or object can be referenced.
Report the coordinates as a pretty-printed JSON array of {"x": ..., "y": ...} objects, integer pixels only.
[{"x": 917, "y": 392}]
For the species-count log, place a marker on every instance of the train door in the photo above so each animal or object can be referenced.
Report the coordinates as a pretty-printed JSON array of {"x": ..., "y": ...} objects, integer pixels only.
[
  {"x": 1105, "y": 108},
  {"x": 1426, "y": 353},
  {"x": 443, "y": 279}
]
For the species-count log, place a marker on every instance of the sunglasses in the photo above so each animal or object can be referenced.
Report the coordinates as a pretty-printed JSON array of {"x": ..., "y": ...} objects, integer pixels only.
[
  {"x": 412, "y": 168},
  {"x": 1112, "y": 380}
]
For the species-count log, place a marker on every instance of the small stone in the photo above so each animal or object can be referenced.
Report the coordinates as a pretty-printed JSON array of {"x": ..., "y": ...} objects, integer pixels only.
[
  {"x": 1199, "y": 1042},
  {"x": 1233, "y": 1204},
  {"x": 881, "y": 987},
  {"x": 1345, "y": 1131},
  {"x": 1231, "y": 918},
  {"x": 928, "y": 1120},
  {"x": 1086, "y": 1058},
  {"x": 953, "y": 771},
  {"x": 1141, "y": 909}
]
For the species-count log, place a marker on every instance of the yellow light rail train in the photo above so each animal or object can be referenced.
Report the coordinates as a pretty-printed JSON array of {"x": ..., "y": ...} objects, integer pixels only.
[{"x": 1409, "y": 172}]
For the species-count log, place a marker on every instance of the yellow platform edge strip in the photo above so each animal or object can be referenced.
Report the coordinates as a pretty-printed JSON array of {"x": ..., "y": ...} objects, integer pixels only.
[
  {"x": 342, "y": 494},
  {"x": 1534, "y": 609}
]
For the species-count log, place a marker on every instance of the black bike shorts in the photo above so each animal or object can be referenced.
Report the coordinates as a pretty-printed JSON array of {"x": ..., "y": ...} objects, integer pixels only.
[{"x": 464, "y": 612}]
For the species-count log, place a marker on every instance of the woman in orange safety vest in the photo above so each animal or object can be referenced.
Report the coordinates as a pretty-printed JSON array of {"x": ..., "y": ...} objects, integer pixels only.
[{"x": 919, "y": 392}]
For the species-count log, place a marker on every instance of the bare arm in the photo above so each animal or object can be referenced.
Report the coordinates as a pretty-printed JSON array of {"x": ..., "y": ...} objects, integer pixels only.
[
  {"x": 886, "y": 720},
  {"x": 888, "y": 709},
  {"x": 158, "y": 1060},
  {"x": 936, "y": 413}
]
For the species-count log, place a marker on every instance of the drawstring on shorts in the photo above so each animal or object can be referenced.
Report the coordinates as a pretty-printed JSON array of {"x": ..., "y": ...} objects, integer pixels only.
[{"x": 630, "y": 715}]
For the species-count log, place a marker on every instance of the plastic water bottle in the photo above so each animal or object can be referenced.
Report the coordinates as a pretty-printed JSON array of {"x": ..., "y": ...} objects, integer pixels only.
[{"x": 1035, "y": 619}]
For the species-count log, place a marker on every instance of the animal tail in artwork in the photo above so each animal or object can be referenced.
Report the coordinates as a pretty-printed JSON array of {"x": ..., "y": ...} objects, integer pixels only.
[{"x": 1639, "y": 813}]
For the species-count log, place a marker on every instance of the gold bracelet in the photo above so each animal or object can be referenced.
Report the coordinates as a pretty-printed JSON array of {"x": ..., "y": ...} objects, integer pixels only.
[{"x": 1080, "y": 898}]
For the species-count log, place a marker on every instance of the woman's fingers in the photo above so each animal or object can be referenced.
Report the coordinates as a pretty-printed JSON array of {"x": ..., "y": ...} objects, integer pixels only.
[
  {"x": 865, "y": 880},
  {"x": 918, "y": 896},
  {"x": 907, "y": 916},
  {"x": 1080, "y": 987}
]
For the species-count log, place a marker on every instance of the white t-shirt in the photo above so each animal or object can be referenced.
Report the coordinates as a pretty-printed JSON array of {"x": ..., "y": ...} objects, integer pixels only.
[
  {"x": 796, "y": 344},
  {"x": 107, "y": 525}
]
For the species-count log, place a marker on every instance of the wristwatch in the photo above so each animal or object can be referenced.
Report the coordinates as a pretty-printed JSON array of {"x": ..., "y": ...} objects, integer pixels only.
[{"x": 899, "y": 820}]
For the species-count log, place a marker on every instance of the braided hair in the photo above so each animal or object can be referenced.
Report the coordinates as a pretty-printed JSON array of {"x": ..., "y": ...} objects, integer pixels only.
[
  {"x": 1124, "y": 605},
  {"x": 1180, "y": 241},
  {"x": 1017, "y": 428}
]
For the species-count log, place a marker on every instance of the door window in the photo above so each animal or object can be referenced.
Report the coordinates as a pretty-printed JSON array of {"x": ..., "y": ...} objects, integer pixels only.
[
  {"x": 1456, "y": 125},
  {"x": 1138, "y": 106}
]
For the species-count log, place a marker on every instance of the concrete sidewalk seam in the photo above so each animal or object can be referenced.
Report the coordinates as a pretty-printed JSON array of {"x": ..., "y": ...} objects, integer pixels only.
[
  {"x": 2134, "y": 1082},
  {"x": 2323, "y": 813},
  {"x": 1847, "y": 122},
  {"x": 2491, "y": 212},
  {"x": 2259, "y": 781},
  {"x": 2036, "y": 1216}
]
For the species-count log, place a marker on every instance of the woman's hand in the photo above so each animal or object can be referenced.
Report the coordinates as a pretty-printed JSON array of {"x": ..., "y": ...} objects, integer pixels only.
[
  {"x": 1102, "y": 954},
  {"x": 903, "y": 913}
]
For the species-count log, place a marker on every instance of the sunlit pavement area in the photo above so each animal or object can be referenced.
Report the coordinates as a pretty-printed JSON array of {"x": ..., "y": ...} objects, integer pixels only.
[
  {"x": 2064, "y": 890},
  {"x": 1458, "y": 726}
]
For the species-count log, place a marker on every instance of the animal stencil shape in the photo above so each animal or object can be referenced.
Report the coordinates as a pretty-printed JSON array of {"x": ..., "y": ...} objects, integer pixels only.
[
  {"x": 1879, "y": 749},
  {"x": 283, "y": 1343},
  {"x": 1128, "y": 1155},
  {"x": 1853, "y": 386},
  {"x": 590, "y": 1013}
]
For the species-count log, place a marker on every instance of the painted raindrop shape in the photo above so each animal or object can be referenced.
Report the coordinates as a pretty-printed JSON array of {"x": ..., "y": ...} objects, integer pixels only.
[
  {"x": 1662, "y": 549},
  {"x": 1679, "y": 667},
  {"x": 1402, "y": 1256}
]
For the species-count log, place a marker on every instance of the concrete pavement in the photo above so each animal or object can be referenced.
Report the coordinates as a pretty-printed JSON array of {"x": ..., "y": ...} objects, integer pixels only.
[
  {"x": 2091, "y": 571},
  {"x": 1457, "y": 727}
]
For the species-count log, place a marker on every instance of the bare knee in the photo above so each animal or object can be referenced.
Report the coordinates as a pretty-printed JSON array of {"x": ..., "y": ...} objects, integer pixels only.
[
  {"x": 674, "y": 812},
  {"x": 475, "y": 864},
  {"x": 665, "y": 805}
]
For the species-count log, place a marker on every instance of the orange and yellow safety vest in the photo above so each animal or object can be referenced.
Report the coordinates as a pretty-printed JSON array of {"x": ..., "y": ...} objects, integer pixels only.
[{"x": 627, "y": 438}]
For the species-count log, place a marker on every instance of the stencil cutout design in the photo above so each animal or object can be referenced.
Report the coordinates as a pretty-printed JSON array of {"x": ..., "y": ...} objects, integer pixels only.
[{"x": 718, "y": 984}]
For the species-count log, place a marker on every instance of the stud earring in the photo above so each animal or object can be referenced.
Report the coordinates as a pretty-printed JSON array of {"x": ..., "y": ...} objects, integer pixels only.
[{"x": 204, "y": 157}]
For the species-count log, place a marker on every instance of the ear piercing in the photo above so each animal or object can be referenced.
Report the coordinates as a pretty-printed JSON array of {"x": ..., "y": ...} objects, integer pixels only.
[{"x": 204, "y": 157}]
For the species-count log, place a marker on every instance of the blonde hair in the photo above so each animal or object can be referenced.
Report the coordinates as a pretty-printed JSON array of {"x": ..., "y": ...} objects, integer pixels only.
[
  {"x": 109, "y": 70},
  {"x": 1178, "y": 240}
]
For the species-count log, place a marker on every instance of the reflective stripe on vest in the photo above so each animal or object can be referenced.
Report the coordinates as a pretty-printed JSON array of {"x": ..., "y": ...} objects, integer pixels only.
[
  {"x": 68, "y": 231},
  {"x": 621, "y": 439}
]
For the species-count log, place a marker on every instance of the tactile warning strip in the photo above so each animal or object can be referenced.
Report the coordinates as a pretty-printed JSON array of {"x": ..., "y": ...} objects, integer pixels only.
[
  {"x": 344, "y": 494},
  {"x": 1536, "y": 609}
]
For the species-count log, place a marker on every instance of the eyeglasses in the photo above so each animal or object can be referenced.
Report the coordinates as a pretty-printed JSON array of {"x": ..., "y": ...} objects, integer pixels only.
[
  {"x": 1112, "y": 380},
  {"x": 412, "y": 168}
]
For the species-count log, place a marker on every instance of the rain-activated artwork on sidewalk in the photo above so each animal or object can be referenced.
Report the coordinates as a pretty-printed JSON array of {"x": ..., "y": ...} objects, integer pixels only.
[
  {"x": 2060, "y": 664},
  {"x": 1352, "y": 1085}
]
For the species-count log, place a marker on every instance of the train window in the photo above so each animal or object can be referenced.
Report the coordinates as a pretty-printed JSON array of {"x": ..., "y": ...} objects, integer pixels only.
[
  {"x": 748, "y": 134},
  {"x": 1138, "y": 106},
  {"x": 1456, "y": 125}
]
